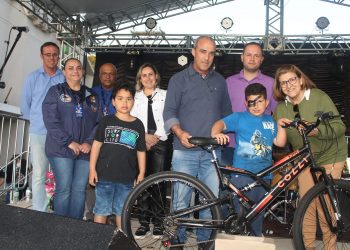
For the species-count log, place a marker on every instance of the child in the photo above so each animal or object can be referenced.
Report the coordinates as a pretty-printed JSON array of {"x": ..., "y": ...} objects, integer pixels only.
[
  {"x": 255, "y": 134},
  {"x": 118, "y": 147}
]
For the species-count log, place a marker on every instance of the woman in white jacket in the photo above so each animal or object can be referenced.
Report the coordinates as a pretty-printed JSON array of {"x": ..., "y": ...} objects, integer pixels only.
[{"x": 148, "y": 107}]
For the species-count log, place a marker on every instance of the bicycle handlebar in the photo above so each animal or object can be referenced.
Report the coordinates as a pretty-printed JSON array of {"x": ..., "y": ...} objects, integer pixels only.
[{"x": 308, "y": 127}]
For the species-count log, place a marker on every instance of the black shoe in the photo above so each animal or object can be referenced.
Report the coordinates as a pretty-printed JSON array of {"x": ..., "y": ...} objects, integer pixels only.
[
  {"x": 157, "y": 232},
  {"x": 141, "y": 232}
]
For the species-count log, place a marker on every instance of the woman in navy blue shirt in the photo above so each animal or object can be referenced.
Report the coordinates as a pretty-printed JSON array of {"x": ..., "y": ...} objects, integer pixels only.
[{"x": 70, "y": 115}]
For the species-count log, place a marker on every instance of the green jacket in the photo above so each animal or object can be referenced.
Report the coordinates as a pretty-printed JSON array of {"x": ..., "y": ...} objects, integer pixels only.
[{"x": 329, "y": 146}]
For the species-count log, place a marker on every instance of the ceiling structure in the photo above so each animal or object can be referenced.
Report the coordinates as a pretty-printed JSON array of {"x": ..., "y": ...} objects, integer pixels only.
[{"x": 97, "y": 25}]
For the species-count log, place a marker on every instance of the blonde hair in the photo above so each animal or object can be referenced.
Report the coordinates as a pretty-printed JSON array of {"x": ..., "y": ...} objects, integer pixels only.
[
  {"x": 139, "y": 85},
  {"x": 286, "y": 68}
]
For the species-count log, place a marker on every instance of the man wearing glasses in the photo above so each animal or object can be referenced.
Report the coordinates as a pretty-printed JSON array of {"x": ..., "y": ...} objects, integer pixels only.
[{"x": 35, "y": 88}]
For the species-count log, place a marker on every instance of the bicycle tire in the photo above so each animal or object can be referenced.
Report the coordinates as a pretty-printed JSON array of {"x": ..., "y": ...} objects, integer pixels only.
[
  {"x": 318, "y": 238},
  {"x": 151, "y": 188}
]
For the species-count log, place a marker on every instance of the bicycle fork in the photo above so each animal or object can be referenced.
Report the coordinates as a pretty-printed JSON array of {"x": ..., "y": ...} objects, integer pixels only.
[{"x": 338, "y": 226}]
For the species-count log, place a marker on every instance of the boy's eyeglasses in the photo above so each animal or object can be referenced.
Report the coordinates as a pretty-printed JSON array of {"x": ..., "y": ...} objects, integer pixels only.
[
  {"x": 296, "y": 111},
  {"x": 290, "y": 81}
]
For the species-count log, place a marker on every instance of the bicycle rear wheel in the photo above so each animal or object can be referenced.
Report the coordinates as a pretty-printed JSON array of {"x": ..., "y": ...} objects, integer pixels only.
[
  {"x": 168, "y": 192},
  {"x": 310, "y": 229}
]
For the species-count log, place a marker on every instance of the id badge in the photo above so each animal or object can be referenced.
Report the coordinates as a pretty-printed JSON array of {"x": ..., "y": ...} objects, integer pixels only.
[{"x": 78, "y": 111}]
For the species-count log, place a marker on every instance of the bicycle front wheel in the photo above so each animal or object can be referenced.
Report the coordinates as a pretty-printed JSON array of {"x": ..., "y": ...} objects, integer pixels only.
[
  {"x": 310, "y": 228},
  {"x": 173, "y": 202}
]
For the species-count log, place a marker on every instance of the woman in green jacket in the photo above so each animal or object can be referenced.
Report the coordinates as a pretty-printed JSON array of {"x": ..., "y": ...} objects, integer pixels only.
[{"x": 298, "y": 95}]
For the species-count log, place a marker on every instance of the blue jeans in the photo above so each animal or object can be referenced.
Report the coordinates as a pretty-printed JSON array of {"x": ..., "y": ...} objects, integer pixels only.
[
  {"x": 199, "y": 165},
  {"x": 40, "y": 166},
  {"x": 255, "y": 194},
  {"x": 110, "y": 197},
  {"x": 71, "y": 177}
]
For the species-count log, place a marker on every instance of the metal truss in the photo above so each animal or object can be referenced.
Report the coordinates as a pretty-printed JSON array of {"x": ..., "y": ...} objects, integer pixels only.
[
  {"x": 230, "y": 44},
  {"x": 53, "y": 17},
  {"x": 158, "y": 10},
  {"x": 274, "y": 17},
  {"x": 78, "y": 33},
  {"x": 340, "y": 2}
]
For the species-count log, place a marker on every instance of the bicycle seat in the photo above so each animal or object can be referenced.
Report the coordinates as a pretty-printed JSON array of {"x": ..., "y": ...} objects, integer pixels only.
[{"x": 203, "y": 141}]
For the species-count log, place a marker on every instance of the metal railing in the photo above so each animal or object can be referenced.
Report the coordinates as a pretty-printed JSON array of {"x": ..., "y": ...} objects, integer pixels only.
[{"x": 14, "y": 155}]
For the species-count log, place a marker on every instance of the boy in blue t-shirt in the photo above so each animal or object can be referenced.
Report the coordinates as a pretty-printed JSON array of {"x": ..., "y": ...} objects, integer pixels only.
[{"x": 256, "y": 132}]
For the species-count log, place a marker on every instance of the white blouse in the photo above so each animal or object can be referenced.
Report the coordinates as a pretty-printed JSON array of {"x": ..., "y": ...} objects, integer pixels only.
[{"x": 140, "y": 110}]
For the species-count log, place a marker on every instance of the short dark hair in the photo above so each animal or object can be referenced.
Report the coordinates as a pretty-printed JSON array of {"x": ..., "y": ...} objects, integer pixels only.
[
  {"x": 47, "y": 44},
  {"x": 125, "y": 86},
  {"x": 255, "y": 89}
]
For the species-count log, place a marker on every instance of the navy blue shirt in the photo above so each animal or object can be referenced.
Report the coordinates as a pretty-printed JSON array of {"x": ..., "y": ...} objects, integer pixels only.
[
  {"x": 105, "y": 98},
  {"x": 64, "y": 125},
  {"x": 195, "y": 103}
]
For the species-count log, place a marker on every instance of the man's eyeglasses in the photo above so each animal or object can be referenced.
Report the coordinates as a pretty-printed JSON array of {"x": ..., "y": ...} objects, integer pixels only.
[
  {"x": 51, "y": 55},
  {"x": 290, "y": 81}
]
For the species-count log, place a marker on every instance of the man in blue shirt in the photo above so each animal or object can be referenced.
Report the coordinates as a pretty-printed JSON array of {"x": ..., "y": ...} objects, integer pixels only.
[
  {"x": 108, "y": 79},
  {"x": 35, "y": 88},
  {"x": 196, "y": 98}
]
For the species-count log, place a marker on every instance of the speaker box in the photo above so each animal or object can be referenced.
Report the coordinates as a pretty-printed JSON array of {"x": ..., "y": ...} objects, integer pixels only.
[{"x": 27, "y": 229}]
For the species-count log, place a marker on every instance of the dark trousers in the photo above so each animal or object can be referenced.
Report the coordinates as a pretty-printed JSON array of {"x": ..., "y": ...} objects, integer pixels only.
[{"x": 158, "y": 159}]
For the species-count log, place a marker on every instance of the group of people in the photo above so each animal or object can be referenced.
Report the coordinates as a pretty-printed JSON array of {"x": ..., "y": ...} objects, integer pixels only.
[{"x": 114, "y": 135}]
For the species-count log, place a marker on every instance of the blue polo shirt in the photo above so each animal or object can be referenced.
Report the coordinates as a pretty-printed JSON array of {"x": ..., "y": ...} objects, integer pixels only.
[
  {"x": 35, "y": 89},
  {"x": 195, "y": 103}
]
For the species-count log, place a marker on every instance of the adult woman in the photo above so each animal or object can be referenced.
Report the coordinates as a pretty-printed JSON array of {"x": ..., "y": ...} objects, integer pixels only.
[
  {"x": 148, "y": 107},
  {"x": 298, "y": 95},
  {"x": 70, "y": 114}
]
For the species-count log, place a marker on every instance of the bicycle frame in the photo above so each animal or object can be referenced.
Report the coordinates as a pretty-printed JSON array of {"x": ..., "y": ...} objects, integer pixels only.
[{"x": 299, "y": 160}]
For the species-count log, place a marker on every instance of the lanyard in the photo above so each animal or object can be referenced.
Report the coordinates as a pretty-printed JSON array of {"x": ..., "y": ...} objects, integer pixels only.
[{"x": 105, "y": 104}]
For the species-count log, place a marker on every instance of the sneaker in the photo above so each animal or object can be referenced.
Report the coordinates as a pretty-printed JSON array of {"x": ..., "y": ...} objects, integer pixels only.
[
  {"x": 157, "y": 232},
  {"x": 141, "y": 232}
]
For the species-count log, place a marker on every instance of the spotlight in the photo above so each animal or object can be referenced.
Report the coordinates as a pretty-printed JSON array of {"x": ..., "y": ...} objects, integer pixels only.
[{"x": 322, "y": 23}]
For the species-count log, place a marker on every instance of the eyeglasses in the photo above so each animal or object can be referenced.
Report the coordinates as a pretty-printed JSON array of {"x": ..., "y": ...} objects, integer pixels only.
[
  {"x": 51, "y": 55},
  {"x": 290, "y": 81},
  {"x": 296, "y": 111}
]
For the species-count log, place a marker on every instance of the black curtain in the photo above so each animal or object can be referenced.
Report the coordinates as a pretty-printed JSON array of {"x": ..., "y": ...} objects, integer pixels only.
[{"x": 330, "y": 73}]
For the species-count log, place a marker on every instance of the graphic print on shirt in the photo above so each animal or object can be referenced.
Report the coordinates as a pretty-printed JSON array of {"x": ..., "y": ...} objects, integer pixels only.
[
  {"x": 260, "y": 145},
  {"x": 121, "y": 136}
]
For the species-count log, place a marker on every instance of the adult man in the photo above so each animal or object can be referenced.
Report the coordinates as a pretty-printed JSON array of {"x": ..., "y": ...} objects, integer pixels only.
[
  {"x": 196, "y": 98},
  {"x": 108, "y": 79},
  {"x": 36, "y": 86},
  {"x": 252, "y": 58}
]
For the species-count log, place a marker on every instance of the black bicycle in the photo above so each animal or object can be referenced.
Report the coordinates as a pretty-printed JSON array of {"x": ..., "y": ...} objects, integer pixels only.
[{"x": 190, "y": 214}]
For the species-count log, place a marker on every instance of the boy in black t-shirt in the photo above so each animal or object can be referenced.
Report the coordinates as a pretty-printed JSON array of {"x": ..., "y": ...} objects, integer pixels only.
[{"x": 118, "y": 148}]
